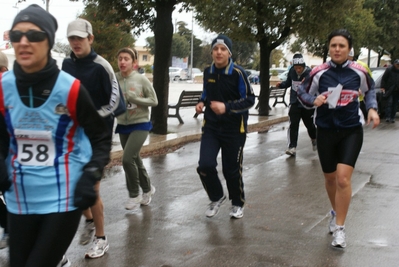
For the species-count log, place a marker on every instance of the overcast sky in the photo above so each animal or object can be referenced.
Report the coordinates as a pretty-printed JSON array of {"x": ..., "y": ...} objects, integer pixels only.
[{"x": 66, "y": 11}]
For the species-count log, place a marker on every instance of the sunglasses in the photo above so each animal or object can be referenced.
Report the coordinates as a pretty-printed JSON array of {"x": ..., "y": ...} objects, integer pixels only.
[{"x": 31, "y": 35}]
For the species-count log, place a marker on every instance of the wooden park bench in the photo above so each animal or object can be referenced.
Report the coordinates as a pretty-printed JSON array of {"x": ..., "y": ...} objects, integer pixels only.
[
  {"x": 186, "y": 99},
  {"x": 278, "y": 94}
]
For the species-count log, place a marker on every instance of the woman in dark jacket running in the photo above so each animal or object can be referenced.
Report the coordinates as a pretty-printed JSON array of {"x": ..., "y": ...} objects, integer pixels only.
[{"x": 334, "y": 89}]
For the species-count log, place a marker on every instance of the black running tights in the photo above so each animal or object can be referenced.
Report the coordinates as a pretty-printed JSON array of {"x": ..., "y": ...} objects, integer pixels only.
[{"x": 40, "y": 240}]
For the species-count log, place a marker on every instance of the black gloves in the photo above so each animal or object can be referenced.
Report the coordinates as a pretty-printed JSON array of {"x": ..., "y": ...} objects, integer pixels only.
[
  {"x": 85, "y": 195},
  {"x": 5, "y": 182}
]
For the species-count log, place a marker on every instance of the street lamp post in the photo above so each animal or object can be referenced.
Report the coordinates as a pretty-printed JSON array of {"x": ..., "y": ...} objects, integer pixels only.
[{"x": 192, "y": 39}]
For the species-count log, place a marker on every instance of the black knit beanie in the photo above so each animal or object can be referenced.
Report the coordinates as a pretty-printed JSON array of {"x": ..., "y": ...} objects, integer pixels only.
[
  {"x": 224, "y": 40},
  {"x": 298, "y": 60},
  {"x": 41, "y": 18}
]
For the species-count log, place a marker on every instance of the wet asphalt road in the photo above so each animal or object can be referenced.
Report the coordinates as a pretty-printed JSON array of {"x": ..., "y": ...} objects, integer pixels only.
[{"x": 285, "y": 218}]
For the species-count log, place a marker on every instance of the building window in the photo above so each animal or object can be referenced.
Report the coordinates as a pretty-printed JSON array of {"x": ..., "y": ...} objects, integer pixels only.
[{"x": 145, "y": 58}]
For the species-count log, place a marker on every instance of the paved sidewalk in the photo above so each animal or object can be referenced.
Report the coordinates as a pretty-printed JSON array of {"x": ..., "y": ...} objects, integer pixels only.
[{"x": 190, "y": 131}]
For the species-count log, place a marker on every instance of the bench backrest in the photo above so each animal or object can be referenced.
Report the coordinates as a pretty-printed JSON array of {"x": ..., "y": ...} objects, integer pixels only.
[
  {"x": 275, "y": 91},
  {"x": 189, "y": 98}
]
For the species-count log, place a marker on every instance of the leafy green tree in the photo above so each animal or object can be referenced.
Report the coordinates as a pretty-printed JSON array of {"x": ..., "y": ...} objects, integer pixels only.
[
  {"x": 349, "y": 15},
  {"x": 256, "y": 60},
  {"x": 386, "y": 16},
  {"x": 110, "y": 36},
  {"x": 186, "y": 33},
  {"x": 205, "y": 58},
  {"x": 243, "y": 53},
  {"x": 276, "y": 56},
  {"x": 268, "y": 23},
  {"x": 297, "y": 46},
  {"x": 157, "y": 16},
  {"x": 181, "y": 44}
]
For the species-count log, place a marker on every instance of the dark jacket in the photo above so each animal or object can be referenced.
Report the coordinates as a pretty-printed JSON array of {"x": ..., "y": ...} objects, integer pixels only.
[
  {"x": 390, "y": 79},
  {"x": 293, "y": 81},
  {"x": 324, "y": 78},
  {"x": 229, "y": 85},
  {"x": 98, "y": 77}
]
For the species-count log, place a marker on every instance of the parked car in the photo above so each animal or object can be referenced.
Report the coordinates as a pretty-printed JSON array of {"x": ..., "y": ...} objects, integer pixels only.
[
  {"x": 279, "y": 71},
  {"x": 253, "y": 76},
  {"x": 283, "y": 76},
  {"x": 196, "y": 72},
  {"x": 177, "y": 74}
]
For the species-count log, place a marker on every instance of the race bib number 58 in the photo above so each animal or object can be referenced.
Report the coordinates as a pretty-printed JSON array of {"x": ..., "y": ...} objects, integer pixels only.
[{"x": 35, "y": 148}]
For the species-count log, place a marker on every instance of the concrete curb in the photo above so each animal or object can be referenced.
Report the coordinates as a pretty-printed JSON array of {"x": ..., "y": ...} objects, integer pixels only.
[{"x": 192, "y": 136}]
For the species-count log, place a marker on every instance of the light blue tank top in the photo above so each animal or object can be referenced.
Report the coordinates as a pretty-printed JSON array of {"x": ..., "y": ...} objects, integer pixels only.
[{"x": 48, "y": 148}]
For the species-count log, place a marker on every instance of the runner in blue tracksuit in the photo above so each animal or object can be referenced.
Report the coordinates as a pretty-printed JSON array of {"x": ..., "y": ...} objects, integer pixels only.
[
  {"x": 334, "y": 89},
  {"x": 227, "y": 97}
]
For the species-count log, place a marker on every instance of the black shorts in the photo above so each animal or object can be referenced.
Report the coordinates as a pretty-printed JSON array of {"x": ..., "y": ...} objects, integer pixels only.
[{"x": 338, "y": 146}]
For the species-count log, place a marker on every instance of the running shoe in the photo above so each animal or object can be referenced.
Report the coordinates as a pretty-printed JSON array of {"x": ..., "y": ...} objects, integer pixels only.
[
  {"x": 291, "y": 151},
  {"x": 332, "y": 222},
  {"x": 237, "y": 212},
  {"x": 339, "y": 238},
  {"x": 133, "y": 203},
  {"x": 214, "y": 206},
  {"x": 4, "y": 241},
  {"x": 87, "y": 234},
  {"x": 64, "y": 262},
  {"x": 147, "y": 196},
  {"x": 98, "y": 248}
]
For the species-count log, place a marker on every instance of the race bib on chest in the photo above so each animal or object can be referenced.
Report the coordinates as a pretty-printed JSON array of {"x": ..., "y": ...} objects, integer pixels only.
[
  {"x": 295, "y": 85},
  {"x": 35, "y": 148}
]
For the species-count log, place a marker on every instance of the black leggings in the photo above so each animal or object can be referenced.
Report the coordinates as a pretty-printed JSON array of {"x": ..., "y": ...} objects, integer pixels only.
[
  {"x": 40, "y": 240},
  {"x": 3, "y": 216},
  {"x": 338, "y": 146}
]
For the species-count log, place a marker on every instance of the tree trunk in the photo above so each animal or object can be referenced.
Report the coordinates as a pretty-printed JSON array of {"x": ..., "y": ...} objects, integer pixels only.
[
  {"x": 163, "y": 33},
  {"x": 264, "y": 94}
]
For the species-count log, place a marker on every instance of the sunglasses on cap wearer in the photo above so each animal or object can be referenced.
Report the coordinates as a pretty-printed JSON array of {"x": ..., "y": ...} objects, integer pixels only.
[{"x": 32, "y": 36}]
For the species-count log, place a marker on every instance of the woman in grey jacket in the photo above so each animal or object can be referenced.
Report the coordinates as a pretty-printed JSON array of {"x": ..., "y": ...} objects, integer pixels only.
[{"x": 133, "y": 127}]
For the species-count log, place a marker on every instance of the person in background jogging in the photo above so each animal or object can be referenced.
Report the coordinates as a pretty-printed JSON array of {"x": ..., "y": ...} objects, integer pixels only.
[
  {"x": 133, "y": 127},
  {"x": 296, "y": 111},
  {"x": 98, "y": 77}
]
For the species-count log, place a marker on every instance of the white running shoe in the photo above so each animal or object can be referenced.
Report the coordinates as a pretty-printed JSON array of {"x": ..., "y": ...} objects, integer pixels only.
[
  {"x": 291, "y": 151},
  {"x": 87, "y": 234},
  {"x": 147, "y": 196},
  {"x": 339, "y": 238},
  {"x": 64, "y": 262},
  {"x": 237, "y": 212},
  {"x": 98, "y": 248},
  {"x": 133, "y": 203},
  {"x": 214, "y": 206},
  {"x": 332, "y": 222}
]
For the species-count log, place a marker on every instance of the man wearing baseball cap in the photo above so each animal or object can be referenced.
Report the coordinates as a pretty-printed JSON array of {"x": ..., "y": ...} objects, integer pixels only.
[
  {"x": 97, "y": 75},
  {"x": 296, "y": 111}
]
